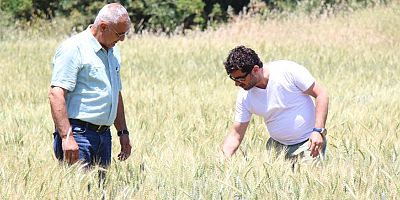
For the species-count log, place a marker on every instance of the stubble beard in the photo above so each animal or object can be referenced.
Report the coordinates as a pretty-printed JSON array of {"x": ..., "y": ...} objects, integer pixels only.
[{"x": 253, "y": 82}]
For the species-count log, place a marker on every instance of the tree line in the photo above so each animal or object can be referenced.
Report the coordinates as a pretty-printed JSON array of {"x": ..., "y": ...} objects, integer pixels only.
[{"x": 168, "y": 15}]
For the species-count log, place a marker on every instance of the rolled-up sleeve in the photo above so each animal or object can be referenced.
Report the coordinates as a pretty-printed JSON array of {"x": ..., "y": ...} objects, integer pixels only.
[{"x": 66, "y": 65}]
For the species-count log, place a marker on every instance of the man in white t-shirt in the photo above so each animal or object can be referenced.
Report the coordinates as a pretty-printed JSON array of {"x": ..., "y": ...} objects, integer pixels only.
[{"x": 281, "y": 93}]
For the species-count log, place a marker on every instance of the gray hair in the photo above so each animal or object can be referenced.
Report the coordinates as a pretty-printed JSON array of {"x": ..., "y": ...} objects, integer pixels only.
[{"x": 111, "y": 13}]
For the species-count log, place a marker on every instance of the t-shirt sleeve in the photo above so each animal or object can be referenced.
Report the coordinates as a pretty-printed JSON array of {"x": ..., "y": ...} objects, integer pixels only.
[
  {"x": 242, "y": 113},
  {"x": 302, "y": 78},
  {"x": 66, "y": 65}
]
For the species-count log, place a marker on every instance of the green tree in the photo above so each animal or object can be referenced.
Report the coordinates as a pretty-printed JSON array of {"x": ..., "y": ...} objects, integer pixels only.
[
  {"x": 17, "y": 8},
  {"x": 167, "y": 15}
]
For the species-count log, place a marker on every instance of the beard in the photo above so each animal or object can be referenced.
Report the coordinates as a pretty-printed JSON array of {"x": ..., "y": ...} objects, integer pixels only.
[{"x": 252, "y": 83}]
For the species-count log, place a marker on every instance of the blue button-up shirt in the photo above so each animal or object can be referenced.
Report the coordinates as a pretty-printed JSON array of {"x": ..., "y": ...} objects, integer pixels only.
[{"x": 91, "y": 75}]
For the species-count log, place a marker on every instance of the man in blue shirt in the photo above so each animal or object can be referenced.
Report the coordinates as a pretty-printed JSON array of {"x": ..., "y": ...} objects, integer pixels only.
[{"x": 85, "y": 94}]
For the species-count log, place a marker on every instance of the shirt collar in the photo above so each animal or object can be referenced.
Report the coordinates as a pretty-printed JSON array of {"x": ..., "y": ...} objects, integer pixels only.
[{"x": 93, "y": 41}]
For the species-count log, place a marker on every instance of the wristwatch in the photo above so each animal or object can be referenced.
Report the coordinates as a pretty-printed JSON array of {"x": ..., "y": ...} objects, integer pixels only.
[
  {"x": 321, "y": 131},
  {"x": 122, "y": 132}
]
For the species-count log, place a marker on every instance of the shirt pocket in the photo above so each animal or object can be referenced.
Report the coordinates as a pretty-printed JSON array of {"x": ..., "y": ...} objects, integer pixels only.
[
  {"x": 95, "y": 75},
  {"x": 96, "y": 72}
]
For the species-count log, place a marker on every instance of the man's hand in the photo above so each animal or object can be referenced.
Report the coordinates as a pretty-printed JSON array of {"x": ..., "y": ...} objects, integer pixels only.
[
  {"x": 315, "y": 143},
  {"x": 125, "y": 147},
  {"x": 70, "y": 149}
]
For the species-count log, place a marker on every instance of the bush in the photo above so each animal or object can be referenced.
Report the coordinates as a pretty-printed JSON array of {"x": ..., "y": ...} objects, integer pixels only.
[
  {"x": 170, "y": 15},
  {"x": 166, "y": 16},
  {"x": 17, "y": 8}
]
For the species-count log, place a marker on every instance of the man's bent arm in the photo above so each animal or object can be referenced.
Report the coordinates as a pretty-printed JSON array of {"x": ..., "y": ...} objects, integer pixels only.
[
  {"x": 321, "y": 104},
  {"x": 60, "y": 117},
  {"x": 235, "y": 137},
  {"x": 321, "y": 113}
]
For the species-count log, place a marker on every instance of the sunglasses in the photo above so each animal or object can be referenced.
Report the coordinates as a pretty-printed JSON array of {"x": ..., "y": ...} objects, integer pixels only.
[{"x": 240, "y": 78}]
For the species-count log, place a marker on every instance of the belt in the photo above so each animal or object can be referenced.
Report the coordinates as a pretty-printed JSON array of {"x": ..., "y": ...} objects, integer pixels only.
[{"x": 93, "y": 127}]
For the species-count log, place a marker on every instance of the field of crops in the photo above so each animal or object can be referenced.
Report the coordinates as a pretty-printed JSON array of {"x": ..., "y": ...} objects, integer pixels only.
[{"x": 179, "y": 105}]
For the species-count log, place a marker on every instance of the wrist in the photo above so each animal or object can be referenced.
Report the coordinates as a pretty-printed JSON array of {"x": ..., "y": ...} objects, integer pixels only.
[
  {"x": 66, "y": 134},
  {"x": 321, "y": 131},
  {"x": 122, "y": 132}
]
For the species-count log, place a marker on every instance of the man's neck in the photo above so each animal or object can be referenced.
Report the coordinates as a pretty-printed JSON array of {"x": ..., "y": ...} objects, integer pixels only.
[
  {"x": 263, "y": 78},
  {"x": 95, "y": 32}
]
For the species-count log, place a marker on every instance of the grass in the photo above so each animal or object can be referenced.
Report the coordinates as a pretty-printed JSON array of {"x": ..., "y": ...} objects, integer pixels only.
[{"x": 179, "y": 105}]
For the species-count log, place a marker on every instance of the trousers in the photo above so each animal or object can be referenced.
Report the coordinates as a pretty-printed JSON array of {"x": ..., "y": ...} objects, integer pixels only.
[
  {"x": 297, "y": 152},
  {"x": 94, "y": 147}
]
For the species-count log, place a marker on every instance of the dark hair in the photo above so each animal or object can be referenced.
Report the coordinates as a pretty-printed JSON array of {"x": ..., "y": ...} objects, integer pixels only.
[{"x": 243, "y": 59}]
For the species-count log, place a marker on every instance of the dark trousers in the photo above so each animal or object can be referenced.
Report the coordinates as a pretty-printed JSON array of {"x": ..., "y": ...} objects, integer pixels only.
[{"x": 94, "y": 147}]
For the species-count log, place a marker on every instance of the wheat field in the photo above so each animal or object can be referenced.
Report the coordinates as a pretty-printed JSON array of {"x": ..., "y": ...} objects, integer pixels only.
[{"x": 179, "y": 106}]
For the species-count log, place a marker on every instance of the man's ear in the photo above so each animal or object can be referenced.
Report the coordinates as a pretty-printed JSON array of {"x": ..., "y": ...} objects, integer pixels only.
[
  {"x": 256, "y": 68},
  {"x": 103, "y": 26}
]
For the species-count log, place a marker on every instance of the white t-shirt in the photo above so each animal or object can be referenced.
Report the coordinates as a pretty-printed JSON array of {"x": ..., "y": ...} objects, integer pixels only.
[{"x": 288, "y": 113}]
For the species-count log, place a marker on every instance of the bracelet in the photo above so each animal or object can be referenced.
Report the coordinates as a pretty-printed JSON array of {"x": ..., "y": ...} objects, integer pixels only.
[{"x": 122, "y": 132}]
